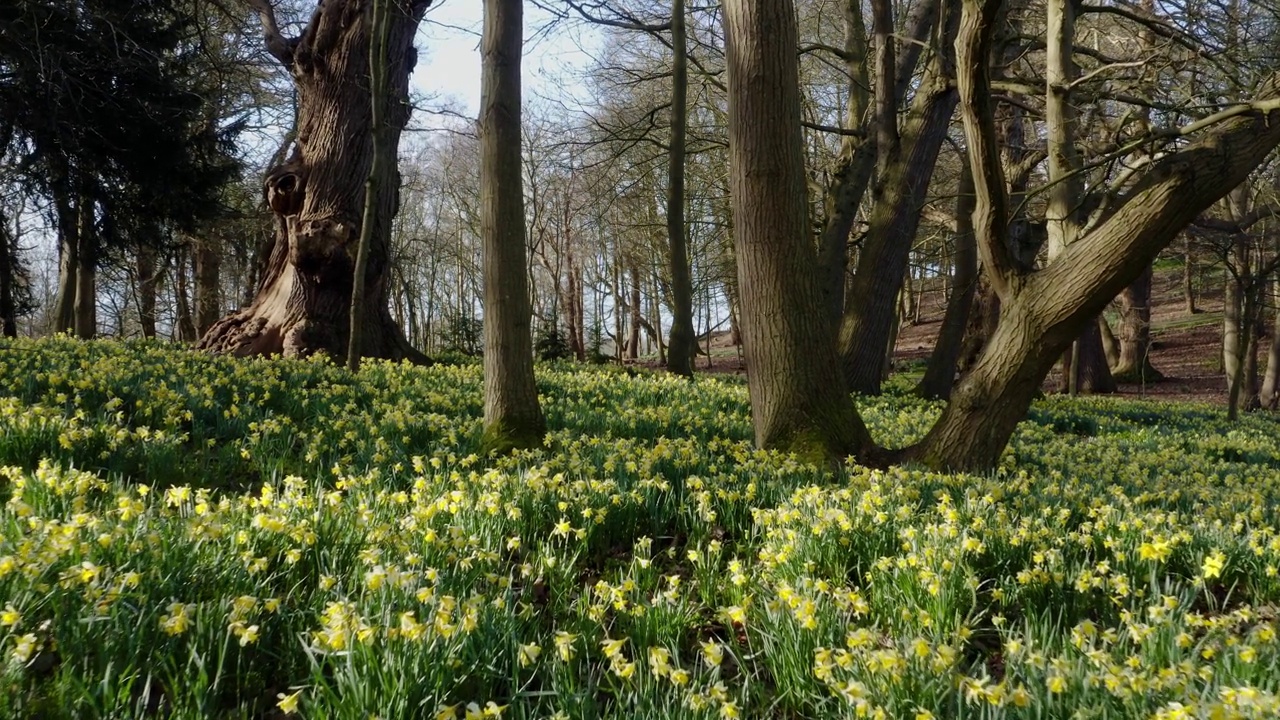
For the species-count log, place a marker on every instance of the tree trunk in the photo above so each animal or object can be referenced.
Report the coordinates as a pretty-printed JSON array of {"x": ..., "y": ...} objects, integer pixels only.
[
  {"x": 1044, "y": 311},
  {"x": 1093, "y": 376},
  {"x": 1110, "y": 345},
  {"x": 304, "y": 297},
  {"x": 682, "y": 344},
  {"x": 633, "y": 341},
  {"x": 208, "y": 278},
  {"x": 1134, "y": 362},
  {"x": 799, "y": 400},
  {"x": 148, "y": 282},
  {"x": 905, "y": 170},
  {"x": 186, "y": 329},
  {"x": 512, "y": 416},
  {"x": 940, "y": 374},
  {"x": 86, "y": 302},
  {"x": 1188, "y": 275},
  {"x": 8, "y": 280},
  {"x": 1269, "y": 397}
]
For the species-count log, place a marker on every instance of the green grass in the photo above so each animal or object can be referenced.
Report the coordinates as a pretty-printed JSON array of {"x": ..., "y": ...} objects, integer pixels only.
[{"x": 191, "y": 537}]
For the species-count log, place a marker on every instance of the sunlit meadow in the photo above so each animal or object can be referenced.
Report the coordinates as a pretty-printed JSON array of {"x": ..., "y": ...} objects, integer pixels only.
[{"x": 191, "y": 537}]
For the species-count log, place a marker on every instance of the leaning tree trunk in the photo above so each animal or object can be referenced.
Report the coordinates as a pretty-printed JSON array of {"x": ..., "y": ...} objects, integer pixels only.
[
  {"x": 1134, "y": 364},
  {"x": 682, "y": 345},
  {"x": 799, "y": 400},
  {"x": 1044, "y": 311},
  {"x": 304, "y": 296},
  {"x": 512, "y": 416}
]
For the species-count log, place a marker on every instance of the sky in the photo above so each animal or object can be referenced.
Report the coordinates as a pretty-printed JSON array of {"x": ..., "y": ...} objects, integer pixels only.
[{"x": 449, "y": 55}]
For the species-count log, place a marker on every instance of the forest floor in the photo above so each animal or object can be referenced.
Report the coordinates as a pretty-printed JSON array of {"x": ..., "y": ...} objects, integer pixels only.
[{"x": 1185, "y": 348}]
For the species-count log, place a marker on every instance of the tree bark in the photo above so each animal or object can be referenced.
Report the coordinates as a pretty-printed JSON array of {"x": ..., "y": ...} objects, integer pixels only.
[
  {"x": 148, "y": 279},
  {"x": 208, "y": 278},
  {"x": 1269, "y": 396},
  {"x": 939, "y": 376},
  {"x": 64, "y": 308},
  {"x": 86, "y": 302},
  {"x": 799, "y": 399},
  {"x": 8, "y": 280},
  {"x": 304, "y": 296},
  {"x": 512, "y": 416},
  {"x": 905, "y": 169},
  {"x": 1188, "y": 276},
  {"x": 1134, "y": 362},
  {"x": 185, "y": 330},
  {"x": 682, "y": 344}
]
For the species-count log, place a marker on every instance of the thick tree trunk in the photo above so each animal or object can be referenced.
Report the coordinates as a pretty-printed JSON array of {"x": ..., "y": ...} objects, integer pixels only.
[
  {"x": 1134, "y": 362},
  {"x": 799, "y": 400},
  {"x": 148, "y": 278},
  {"x": 512, "y": 416},
  {"x": 903, "y": 179},
  {"x": 940, "y": 374},
  {"x": 682, "y": 344},
  {"x": 1093, "y": 376},
  {"x": 304, "y": 297}
]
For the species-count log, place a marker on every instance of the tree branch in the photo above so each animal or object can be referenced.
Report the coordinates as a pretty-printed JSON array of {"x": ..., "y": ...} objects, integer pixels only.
[{"x": 280, "y": 47}]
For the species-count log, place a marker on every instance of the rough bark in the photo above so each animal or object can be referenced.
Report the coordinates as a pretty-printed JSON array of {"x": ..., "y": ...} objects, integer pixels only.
[
  {"x": 939, "y": 376},
  {"x": 799, "y": 400},
  {"x": 1093, "y": 374},
  {"x": 682, "y": 345},
  {"x": 1134, "y": 362},
  {"x": 304, "y": 296},
  {"x": 512, "y": 416}
]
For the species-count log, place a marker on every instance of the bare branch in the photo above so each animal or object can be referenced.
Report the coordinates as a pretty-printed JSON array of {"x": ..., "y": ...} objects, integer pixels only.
[{"x": 280, "y": 47}]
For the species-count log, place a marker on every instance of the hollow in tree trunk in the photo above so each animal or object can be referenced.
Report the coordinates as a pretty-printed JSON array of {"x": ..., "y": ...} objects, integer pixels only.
[
  {"x": 512, "y": 416},
  {"x": 317, "y": 193}
]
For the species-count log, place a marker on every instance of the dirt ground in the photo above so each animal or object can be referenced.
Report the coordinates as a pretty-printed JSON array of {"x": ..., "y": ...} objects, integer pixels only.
[{"x": 1186, "y": 348}]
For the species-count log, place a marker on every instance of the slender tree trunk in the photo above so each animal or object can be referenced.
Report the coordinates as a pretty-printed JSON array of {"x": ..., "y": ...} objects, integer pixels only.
[
  {"x": 682, "y": 344},
  {"x": 512, "y": 417},
  {"x": 208, "y": 278},
  {"x": 799, "y": 399},
  {"x": 1188, "y": 276},
  {"x": 148, "y": 282},
  {"x": 304, "y": 301},
  {"x": 186, "y": 328},
  {"x": 940, "y": 374},
  {"x": 633, "y": 342},
  {"x": 1134, "y": 363},
  {"x": 86, "y": 302},
  {"x": 1110, "y": 345},
  {"x": 8, "y": 280},
  {"x": 1269, "y": 397}
]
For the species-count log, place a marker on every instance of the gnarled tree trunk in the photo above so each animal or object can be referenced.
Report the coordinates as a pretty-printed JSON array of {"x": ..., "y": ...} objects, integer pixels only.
[{"x": 317, "y": 194}]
